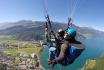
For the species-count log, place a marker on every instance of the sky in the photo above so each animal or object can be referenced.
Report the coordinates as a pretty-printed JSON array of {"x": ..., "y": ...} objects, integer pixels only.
[{"x": 88, "y": 13}]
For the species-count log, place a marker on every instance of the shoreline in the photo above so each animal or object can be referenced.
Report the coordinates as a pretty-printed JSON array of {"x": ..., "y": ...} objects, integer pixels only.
[{"x": 40, "y": 65}]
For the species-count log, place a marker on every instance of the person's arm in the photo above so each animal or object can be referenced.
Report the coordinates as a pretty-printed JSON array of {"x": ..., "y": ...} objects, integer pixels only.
[
  {"x": 61, "y": 56},
  {"x": 46, "y": 35},
  {"x": 78, "y": 45}
]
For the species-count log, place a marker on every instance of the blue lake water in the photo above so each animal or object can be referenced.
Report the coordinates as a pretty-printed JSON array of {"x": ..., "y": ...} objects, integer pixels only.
[{"x": 94, "y": 49}]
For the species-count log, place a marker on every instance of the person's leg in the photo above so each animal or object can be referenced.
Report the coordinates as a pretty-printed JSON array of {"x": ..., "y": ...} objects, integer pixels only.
[{"x": 51, "y": 54}]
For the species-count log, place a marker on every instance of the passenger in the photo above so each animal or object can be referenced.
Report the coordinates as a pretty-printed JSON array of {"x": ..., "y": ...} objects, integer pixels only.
[{"x": 70, "y": 49}]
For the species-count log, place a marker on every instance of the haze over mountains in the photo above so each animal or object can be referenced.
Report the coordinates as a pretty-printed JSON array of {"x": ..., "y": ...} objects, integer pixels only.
[{"x": 34, "y": 30}]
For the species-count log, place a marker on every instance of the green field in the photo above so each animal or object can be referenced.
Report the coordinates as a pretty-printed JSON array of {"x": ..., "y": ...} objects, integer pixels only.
[
  {"x": 27, "y": 50},
  {"x": 8, "y": 41},
  {"x": 26, "y": 47},
  {"x": 97, "y": 64}
]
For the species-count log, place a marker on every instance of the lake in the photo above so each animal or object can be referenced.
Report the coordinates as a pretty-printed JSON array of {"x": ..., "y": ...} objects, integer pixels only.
[{"x": 94, "y": 49}]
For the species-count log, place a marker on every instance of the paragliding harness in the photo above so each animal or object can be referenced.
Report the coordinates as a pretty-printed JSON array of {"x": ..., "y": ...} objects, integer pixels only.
[
  {"x": 52, "y": 36},
  {"x": 52, "y": 41}
]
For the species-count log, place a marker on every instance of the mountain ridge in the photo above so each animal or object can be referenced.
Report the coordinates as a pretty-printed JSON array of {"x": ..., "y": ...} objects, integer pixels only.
[{"x": 33, "y": 29}]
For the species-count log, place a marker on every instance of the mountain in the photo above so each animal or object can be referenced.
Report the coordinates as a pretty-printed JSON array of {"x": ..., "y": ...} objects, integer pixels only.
[
  {"x": 27, "y": 30},
  {"x": 92, "y": 33},
  {"x": 11, "y": 24},
  {"x": 34, "y": 30}
]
